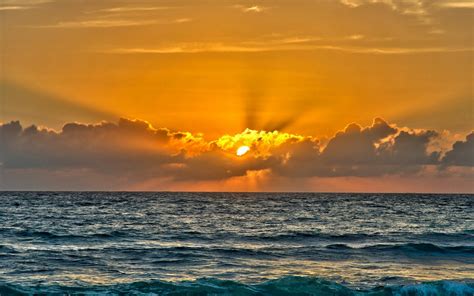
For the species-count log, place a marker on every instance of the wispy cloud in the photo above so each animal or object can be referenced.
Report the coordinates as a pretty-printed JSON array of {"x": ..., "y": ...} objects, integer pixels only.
[
  {"x": 25, "y": 2},
  {"x": 110, "y": 23},
  {"x": 6, "y": 5},
  {"x": 14, "y": 7},
  {"x": 407, "y": 7},
  {"x": 409, "y": 50},
  {"x": 395, "y": 5},
  {"x": 182, "y": 20},
  {"x": 417, "y": 7},
  {"x": 100, "y": 24},
  {"x": 457, "y": 4},
  {"x": 189, "y": 48},
  {"x": 134, "y": 8},
  {"x": 356, "y": 37},
  {"x": 294, "y": 40},
  {"x": 253, "y": 8}
]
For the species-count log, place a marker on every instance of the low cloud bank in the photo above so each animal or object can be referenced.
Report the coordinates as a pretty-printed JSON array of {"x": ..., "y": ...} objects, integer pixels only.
[{"x": 134, "y": 152}]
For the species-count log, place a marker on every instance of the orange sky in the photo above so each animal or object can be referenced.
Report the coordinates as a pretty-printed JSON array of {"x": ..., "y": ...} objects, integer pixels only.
[
  {"x": 209, "y": 66},
  {"x": 212, "y": 68}
]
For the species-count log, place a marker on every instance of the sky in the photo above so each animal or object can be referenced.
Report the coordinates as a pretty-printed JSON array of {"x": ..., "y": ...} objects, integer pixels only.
[{"x": 329, "y": 95}]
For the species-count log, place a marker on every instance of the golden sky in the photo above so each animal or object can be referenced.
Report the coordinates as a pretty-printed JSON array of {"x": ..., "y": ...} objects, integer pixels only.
[{"x": 211, "y": 68}]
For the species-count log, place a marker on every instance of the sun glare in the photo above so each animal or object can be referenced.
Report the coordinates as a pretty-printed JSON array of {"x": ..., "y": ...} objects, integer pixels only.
[{"x": 242, "y": 150}]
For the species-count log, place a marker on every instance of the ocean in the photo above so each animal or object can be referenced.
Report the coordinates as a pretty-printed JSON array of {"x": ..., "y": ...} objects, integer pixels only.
[{"x": 163, "y": 243}]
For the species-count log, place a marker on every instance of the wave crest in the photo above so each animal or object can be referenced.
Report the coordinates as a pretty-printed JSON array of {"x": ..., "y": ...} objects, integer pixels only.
[
  {"x": 291, "y": 285},
  {"x": 409, "y": 247}
]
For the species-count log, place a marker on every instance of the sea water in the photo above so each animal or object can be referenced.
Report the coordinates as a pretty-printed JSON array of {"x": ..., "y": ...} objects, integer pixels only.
[{"x": 122, "y": 243}]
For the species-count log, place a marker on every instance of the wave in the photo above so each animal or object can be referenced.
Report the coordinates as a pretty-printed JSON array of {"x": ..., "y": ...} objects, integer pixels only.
[
  {"x": 65, "y": 236},
  {"x": 354, "y": 237},
  {"x": 466, "y": 235},
  {"x": 409, "y": 247},
  {"x": 298, "y": 235},
  {"x": 291, "y": 285}
]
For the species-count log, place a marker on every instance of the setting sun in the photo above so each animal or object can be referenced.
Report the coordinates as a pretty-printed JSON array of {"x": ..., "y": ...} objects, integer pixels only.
[{"x": 242, "y": 150}]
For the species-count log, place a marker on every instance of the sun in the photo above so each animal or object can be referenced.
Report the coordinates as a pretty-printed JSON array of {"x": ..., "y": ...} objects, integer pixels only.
[{"x": 242, "y": 150}]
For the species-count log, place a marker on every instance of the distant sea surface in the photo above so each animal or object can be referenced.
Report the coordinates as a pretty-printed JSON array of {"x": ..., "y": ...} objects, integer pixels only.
[{"x": 123, "y": 243}]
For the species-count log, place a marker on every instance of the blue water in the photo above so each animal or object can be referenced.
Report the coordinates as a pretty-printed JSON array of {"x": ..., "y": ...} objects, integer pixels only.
[{"x": 236, "y": 244}]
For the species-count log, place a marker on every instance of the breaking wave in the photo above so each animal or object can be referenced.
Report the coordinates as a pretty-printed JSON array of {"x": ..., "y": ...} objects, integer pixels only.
[{"x": 283, "y": 286}]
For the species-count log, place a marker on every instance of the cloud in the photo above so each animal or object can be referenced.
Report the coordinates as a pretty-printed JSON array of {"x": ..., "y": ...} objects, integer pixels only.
[
  {"x": 105, "y": 146},
  {"x": 379, "y": 149},
  {"x": 245, "y": 47},
  {"x": 134, "y": 9},
  {"x": 7, "y": 5},
  {"x": 421, "y": 9},
  {"x": 456, "y": 4},
  {"x": 424, "y": 10},
  {"x": 404, "y": 6},
  {"x": 101, "y": 23},
  {"x": 410, "y": 148},
  {"x": 356, "y": 37},
  {"x": 14, "y": 7},
  {"x": 119, "y": 18},
  {"x": 462, "y": 153},
  {"x": 353, "y": 44},
  {"x": 182, "y": 20},
  {"x": 108, "y": 23},
  {"x": 194, "y": 47},
  {"x": 137, "y": 153},
  {"x": 25, "y": 2},
  {"x": 253, "y": 8},
  {"x": 357, "y": 145}
]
